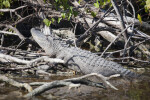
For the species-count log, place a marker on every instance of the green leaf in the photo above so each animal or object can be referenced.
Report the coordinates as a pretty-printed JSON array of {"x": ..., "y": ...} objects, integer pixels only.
[
  {"x": 75, "y": 13},
  {"x": 44, "y": 1},
  {"x": 79, "y": 1},
  {"x": 53, "y": 20},
  {"x": 10, "y": 30},
  {"x": 47, "y": 22},
  {"x": 69, "y": 16},
  {"x": 148, "y": 4},
  {"x": 6, "y": 3},
  {"x": 93, "y": 14},
  {"x": 59, "y": 19},
  {"x": 61, "y": 7},
  {"x": 63, "y": 15},
  {"x": 104, "y": 3},
  {"x": 146, "y": 9},
  {"x": 96, "y": 4},
  {"x": 139, "y": 18},
  {"x": 56, "y": 0},
  {"x": 71, "y": 9}
]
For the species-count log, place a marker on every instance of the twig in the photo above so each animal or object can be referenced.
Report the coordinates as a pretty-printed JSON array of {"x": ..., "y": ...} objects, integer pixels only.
[
  {"x": 12, "y": 10},
  {"x": 9, "y": 33},
  {"x": 114, "y": 40},
  {"x": 15, "y": 29},
  {"x": 138, "y": 60},
  {"x": 15, "y": 69},
  {"x": 22, "y": 19},
  {"x": 110, "y": 53},
  {"x": 120, "y": 18},
  {"x": 86, "y": 33}
]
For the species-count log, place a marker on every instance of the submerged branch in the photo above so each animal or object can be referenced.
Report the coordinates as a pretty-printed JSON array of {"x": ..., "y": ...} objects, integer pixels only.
[
  {"x": 3, "y": 78},
  {"x": 69, "y": 82}
]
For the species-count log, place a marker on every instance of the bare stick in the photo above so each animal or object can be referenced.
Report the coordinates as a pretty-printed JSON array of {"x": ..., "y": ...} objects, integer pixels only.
[
  {"x": 46, "y": 87},
  {"x": 68, "y": 82},
  {"x": 137, "y": 44},
  {"x": 12, "y": 10},
  {"x": 86, "y": 33},
  {"x": 120, "y": 18},
  {"x": 9, "y": 33},
  {"x": 14, "y": 83},
  {"x": 15, "y": 29},
  {"x": 137, "y": 60},
  {"x": 114, "y": 40},
  {"x": 100, "y": 76},
  {"x": 45, "y": 58}
]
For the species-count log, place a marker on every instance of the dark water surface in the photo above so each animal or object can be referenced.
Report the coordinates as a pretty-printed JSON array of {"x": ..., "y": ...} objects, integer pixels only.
[{"x": 139, "y": 90}]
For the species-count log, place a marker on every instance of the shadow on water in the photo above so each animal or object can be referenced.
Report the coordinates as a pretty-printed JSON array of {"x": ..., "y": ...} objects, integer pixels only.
[{"x": 139, "y": 90}]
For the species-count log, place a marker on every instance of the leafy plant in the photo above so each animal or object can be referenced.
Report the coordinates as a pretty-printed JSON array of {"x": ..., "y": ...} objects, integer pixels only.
[
  {"x": 139, "y": 18},
  {"x": 97, "y": 4},
  {"x": 93, "y": 14},
  {"x": 147, "y": 4},
  {"x": 102, "y": 3},
  {"x": 67, "y": 11},
  {"x": 6, "y": 3},
  {"x": 47, "y": 22}
]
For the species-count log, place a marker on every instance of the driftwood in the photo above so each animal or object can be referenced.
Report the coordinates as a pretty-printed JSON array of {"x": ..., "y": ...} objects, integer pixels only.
[
  {"x": 69, "y": 82},
  {"x": 8, "y": 58},
  {"x": 3, "y": 78}
]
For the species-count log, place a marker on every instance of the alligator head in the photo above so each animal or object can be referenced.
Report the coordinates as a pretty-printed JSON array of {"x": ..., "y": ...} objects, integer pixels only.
[{"x": 44, "y": 41}]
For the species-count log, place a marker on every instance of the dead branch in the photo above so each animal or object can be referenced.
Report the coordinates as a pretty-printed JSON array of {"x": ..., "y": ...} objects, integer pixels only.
[
  {"x": 114, "y": 40},
  {"x": 46, "y": 87},
  {"x": 15, "y": 83},
  {"x": 104, "y": 79},
  {"x": 9, "y": 58},
  {"x": 137, "y": 44},
  {"x": 67, "y": 82},
  {"x": 15, "y": 29},
  {"x": 136, "y": 60},
  {"x": 9, "y": 33},
  {"x": 91, "y": 28},
  {"x": 22, "y": 19},
  {"x": 115, "y": 5},
  {"x": 12, "y": 10}
]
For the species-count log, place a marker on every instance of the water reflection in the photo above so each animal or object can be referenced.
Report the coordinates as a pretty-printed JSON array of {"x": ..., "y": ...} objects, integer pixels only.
[{"x": 139, "y": 90}]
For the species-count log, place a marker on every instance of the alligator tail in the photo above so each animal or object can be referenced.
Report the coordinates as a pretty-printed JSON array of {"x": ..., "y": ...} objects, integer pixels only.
[{"x": 129, "y": 74}]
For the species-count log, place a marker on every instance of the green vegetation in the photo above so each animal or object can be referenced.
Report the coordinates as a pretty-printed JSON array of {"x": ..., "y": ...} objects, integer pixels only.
[
  {"x": 102, "y": 3},
  {"x": 65, "y": 8},
  {"x": 146, "y": 5},
  {"x": 5, "y": 4}
]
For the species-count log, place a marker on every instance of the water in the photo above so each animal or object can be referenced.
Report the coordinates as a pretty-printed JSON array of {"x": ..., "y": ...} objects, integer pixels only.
[{"x": 139, "y": 90}]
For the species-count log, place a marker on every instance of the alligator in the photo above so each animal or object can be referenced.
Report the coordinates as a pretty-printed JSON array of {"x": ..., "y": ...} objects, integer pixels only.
[{"x": 77, "y": 59}]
